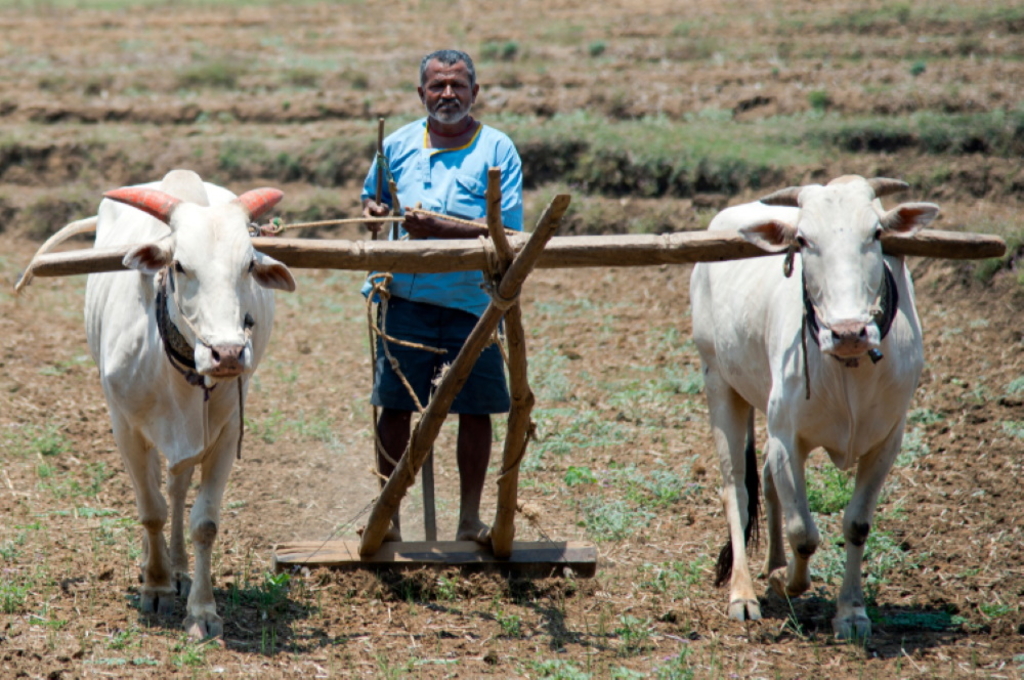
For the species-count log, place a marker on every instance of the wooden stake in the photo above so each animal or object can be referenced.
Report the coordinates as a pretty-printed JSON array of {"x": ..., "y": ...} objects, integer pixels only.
[
  {"x": 429, "y": 424},
  {"x": 503, "y": 530}
]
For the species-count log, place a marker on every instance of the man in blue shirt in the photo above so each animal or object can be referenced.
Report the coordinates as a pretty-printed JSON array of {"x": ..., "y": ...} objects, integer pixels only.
[{"x": 440, "y": 163}]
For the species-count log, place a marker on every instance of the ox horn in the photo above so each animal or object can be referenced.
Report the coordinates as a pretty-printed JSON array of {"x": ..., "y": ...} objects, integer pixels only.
[
  {"x": 157, "y": 203},
  {"x": 883, "y": 186},
  {"x": 787, "y": 196},
  {"x": 259, "y": 201}
]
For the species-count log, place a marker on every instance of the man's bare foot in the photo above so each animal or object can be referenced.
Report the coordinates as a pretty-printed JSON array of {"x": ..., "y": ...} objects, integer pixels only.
[{"x": 474, "y": 530}]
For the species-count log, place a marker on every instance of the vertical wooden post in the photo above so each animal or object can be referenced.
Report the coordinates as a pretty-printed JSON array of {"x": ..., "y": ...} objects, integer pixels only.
[
  {"x": 432, "y": 418},
  {"x": 504, "y": 530}
]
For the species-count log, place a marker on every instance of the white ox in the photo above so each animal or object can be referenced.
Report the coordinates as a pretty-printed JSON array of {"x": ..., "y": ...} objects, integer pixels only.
[
  {"x": 842, "y": 382},
  {"x": 200, "y": 279}
]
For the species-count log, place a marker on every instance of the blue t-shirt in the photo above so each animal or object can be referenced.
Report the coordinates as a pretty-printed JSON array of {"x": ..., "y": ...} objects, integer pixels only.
[{"x": 453, "y": 182}]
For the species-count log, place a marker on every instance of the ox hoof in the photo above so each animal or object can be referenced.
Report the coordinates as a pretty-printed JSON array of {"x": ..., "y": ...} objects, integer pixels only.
[
  {"x": 183, "y": 585},
  {"x": 856, "y": 627},
  {"x": 779, "y": 582},
  {"x": 161, "y": 601},
  {"x": 745, "y": 610},
  {"x": 204, "y": 627}
]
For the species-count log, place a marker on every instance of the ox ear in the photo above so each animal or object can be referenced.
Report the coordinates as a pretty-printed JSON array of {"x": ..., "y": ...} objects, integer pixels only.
[
  {"x": 907, "y": 218},
  {"x": 771, "y": 235},
  {"x": 270, "y": 273},
  {"x": 152, "y": 201},
  {"x": 150, "y": 258},
  {"x": 258, "y": 202}
]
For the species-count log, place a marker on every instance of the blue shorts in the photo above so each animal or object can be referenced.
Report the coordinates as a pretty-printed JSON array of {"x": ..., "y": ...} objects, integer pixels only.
[{"x": 485, "y": 390}]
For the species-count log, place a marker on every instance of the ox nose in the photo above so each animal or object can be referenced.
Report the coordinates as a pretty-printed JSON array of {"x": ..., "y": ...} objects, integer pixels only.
[
  {"x": 849, "y": 332},
  {"x": 226, "y": 360}
]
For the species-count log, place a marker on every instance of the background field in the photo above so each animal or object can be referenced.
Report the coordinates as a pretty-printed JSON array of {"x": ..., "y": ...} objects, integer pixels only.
[{"x": 653, "y": 115}]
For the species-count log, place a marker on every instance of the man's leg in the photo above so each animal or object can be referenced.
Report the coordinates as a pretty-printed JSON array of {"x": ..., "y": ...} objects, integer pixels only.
[
  {"x": 473, "y": 454},
  {"x": 393, "y": 430}
]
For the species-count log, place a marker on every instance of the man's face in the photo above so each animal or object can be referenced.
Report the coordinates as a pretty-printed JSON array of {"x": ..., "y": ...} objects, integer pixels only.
[{"x": 446, "y": 92}]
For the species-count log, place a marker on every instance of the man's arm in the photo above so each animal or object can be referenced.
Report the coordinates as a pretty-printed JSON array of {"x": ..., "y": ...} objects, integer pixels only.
[{"x": 419, "y": 225}]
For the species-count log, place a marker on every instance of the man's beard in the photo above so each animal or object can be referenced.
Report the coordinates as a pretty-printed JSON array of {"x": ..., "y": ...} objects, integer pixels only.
[{"x": 448, "y": 115}]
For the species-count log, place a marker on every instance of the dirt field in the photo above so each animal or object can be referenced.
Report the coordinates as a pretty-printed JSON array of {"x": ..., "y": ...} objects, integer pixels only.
[{"x": 623, "y": 457}]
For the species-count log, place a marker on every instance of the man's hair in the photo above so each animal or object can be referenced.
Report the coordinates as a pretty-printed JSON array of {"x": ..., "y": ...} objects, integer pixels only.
[{"x": 448, "y": 58}]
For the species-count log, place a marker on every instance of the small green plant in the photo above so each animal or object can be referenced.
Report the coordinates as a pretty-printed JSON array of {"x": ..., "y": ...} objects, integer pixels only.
[
  {"x": 447, "y": 587},
  {"x": 674, "y": 579},
  {"x": 12, "y": 596},
  {"x": 994, "y": 610},
  {"x": 1015, "y": 386},
  {"x": 611, "y": 520},
  {"x": 676, "y": 668},
  {"x": 819, "y": 100},
  {"x": 597, "y": 48},
  {"x": 917, "y": 68},
  {"x": 829, "y": 489},
  {"x": 511, "y": 624},
  {"x": 47, "y": 440},
  {"x": 188, "y": 653},
  {"x": 913, "y": 448},
  {"x": 124, "y": 639},
  {"x": 558, "y": 669},
  {"x": 1014, "y": 428},
  {"x": 574, "y": 476},
  {"x": 924, "y": 416},
  {"x": 219, "y": 74},
  {"x": 634, "y": 633},
  {"x": 504, "y": 51}
]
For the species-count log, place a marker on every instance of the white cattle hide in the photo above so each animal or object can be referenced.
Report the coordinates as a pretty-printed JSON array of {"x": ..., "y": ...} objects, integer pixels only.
[
  {"x": 195, "y": 264},
  {"x": 843, "y": 386}
]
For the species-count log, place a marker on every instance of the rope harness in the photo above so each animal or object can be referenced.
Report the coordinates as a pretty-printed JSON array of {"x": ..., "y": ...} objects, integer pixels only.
[
  {"x": 883, "y": 312},
  {"x": 181, "y": 355}
]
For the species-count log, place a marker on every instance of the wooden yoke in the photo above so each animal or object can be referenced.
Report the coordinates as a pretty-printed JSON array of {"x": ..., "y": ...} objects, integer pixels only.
[
  {"x": 503, "y": 530},
  {"x": 430, "y": 422}
]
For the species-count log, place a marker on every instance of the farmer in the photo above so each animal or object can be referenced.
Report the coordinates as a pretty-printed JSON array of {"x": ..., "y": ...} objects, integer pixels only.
[{"x": 440, "y": 163}]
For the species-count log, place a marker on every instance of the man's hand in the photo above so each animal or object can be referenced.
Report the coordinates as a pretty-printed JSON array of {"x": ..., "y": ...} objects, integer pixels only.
[
  {"x": 419, "y": 225},
  {"x": 373, "y": 209}
]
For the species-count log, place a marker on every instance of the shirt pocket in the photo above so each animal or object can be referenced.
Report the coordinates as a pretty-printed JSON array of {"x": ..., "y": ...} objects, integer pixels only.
[{"x": 468, "y": 198}]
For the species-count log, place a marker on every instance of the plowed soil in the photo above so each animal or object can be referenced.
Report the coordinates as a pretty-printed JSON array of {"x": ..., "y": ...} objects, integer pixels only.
[{"x": 622, "y": 455}]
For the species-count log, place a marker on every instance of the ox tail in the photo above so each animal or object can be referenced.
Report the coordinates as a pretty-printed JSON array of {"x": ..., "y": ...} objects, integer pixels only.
[
  {"x": 74, "y": 229},
  {"x": 751, "y": 532}
]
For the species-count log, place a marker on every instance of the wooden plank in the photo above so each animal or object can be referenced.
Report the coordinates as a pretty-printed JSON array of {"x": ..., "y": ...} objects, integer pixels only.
[
  {"x": 527, "y": 557},
  {"x": 423, "y": 256}
]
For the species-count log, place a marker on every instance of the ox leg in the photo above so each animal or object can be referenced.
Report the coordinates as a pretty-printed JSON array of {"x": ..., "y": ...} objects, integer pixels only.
[
  {"x": 177, "y": 488},
  {"x": 729, "y": 418},
  {"x": 144, "y": 465},
  {"x": 202, "y": 620},
  {"x": 851, "y": 620},
  {"x": 786, "y": 471},
  {"x": 776, "y": 554}
]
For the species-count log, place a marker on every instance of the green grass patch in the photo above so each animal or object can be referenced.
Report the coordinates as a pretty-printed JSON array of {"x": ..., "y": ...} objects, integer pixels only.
[
  {"x": 611, "y": 519},
  {"x": 829, "y": 489},
  {"x": 29, "y": 440},
  {"x": 222, "y": 74}
]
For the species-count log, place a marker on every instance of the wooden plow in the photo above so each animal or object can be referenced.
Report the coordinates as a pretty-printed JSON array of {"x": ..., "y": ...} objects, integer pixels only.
[{"x": 508, "y": 262}]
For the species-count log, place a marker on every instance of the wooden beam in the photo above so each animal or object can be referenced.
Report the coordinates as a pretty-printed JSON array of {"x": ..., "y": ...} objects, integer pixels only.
[
  {"x": 423, "y": 256},
  {"x": 527, "y": 558}
]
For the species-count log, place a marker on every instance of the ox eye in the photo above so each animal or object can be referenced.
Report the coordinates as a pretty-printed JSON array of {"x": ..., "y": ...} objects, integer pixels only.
[
  {"x": 801, "y": 241},
  {"x": 178, "y": 268},
  {"x": 252, "y": 265},
  {"x": 878, "y": 234}
]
